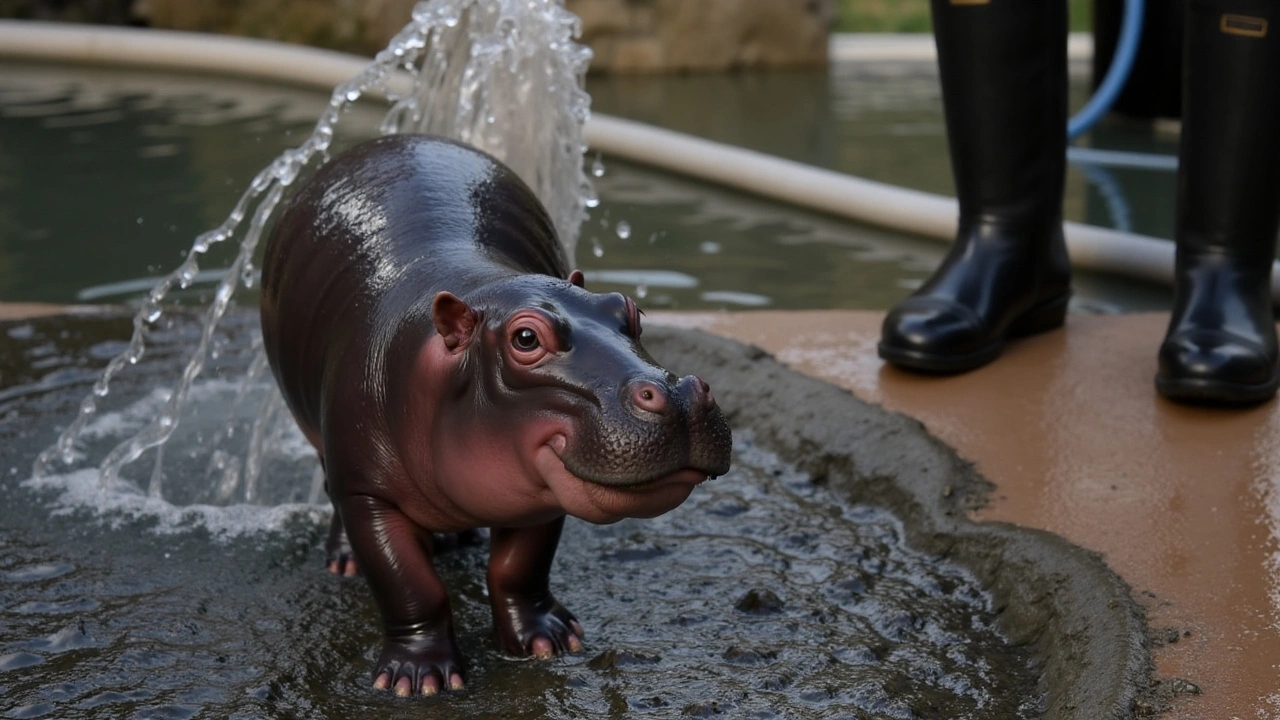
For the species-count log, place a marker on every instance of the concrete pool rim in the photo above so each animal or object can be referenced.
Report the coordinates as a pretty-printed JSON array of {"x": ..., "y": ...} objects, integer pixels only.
[
  {"x": 859, "y": 199},
  {"x": 1088, "y": 634}
]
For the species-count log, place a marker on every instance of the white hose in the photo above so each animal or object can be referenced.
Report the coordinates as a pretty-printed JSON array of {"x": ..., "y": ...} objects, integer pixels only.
[{"x": 909, "y": 211}]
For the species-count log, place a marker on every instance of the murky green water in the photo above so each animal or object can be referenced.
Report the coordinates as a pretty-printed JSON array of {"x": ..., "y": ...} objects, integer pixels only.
[
  {"x": 879, "y": 120},
  {"x": 106, "y": 176},
  {"x": 764, "y": 596}
]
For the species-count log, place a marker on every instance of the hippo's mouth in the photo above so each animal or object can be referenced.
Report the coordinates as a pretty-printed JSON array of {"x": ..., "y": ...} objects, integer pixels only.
[
  {"x": 687, "y": 475},
  {"x": 607, "y": 502}
]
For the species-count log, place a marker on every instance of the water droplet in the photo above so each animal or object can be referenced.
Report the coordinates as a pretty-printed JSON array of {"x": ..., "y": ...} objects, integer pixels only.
[
  {"x": 153, "y": 314},
  {"x": 591, "y": 202},
  {"x": 187, "y": 272},
  {"x": 597, "y": 166},
  {"x": 100, "y": 389},
  {"x": 642, "y": 291},
  {"x": 707, "y": 248},
  {"x": 353, "y": 95},
  {"x": 623, "y": 229},
  {"x": 596, "y": 249},
  {"x": 139, "y": 220}
]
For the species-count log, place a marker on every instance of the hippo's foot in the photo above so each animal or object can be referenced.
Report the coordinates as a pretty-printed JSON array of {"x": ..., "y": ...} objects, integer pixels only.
[
  {"x": 542, "y": 628},
  {"x": 339, "y": 558},
  {"x": 419, "y": 665}
]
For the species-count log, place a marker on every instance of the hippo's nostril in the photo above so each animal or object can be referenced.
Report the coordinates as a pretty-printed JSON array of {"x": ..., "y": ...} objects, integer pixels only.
[{"x": 648, "y": 396}]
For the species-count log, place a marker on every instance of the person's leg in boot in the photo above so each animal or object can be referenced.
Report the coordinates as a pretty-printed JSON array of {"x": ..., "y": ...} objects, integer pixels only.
[
  {"x": 1221, "y": 343},
  {"x": 1002, "y": 64}
]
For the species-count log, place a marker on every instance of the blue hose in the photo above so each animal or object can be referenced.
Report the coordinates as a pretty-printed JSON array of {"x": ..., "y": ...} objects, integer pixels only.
[{"x": 1121, "y": 64}]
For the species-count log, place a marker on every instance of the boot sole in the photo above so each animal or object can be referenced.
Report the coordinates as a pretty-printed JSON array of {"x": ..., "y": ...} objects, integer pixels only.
[
  {"x": 1216, "y": 392},
  {"x": 1044, "y": 317}
]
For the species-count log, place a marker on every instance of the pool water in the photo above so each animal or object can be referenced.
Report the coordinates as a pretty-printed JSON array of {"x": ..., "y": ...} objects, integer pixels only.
[{"x": 106, "y": 176}]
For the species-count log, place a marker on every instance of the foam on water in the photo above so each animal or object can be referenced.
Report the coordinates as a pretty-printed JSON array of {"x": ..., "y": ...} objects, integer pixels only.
[
  {"x": 82, "y": 490},
  {"x": 206, "y": 486},
  {"x": 505, "y": 76}
]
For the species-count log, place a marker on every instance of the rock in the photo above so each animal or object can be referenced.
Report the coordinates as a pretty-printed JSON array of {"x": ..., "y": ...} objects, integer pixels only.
[
  {"x": 336, "y": 24},
  {"x": 627, "y": 36},
  {"x": 759, "y": 601},
  {"x": 645, "y": 36}
]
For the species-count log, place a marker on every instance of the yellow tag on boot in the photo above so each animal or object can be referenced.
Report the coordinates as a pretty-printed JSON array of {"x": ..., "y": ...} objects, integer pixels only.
[{"x": 1244, "y": 26}]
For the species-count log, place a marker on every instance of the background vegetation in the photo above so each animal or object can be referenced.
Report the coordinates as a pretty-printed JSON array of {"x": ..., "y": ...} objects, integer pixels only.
[{"x": 913, "y": 15}]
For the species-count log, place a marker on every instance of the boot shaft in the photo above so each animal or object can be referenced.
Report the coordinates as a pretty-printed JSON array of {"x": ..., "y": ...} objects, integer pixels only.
[
  {"x": 1003, "y": 69},
  {"x": 1229, "y": 171}
]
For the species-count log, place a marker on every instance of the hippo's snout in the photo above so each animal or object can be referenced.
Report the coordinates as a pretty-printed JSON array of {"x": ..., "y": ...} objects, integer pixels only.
[
  {"x": 648, "y": 397},
  {"x": 713, "y": 444},
  {"x": 700, "y": 390},
  {"x": 654, "y": 401},
  {"x": 661, "y": 425}
]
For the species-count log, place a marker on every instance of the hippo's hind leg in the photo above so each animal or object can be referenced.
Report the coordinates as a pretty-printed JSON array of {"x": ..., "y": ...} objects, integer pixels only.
[
  {"x": 338, "y": 557},
  {"x": 528, "y": 618}
]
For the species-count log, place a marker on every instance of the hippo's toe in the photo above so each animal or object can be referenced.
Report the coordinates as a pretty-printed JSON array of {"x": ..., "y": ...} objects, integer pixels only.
[
  {"x": 540, "y": 628},
  {"x": 424, "y": 665}
]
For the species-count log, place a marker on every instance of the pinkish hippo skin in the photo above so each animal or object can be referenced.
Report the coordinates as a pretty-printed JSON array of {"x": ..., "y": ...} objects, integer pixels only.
[{"x": 418, "y": 321}]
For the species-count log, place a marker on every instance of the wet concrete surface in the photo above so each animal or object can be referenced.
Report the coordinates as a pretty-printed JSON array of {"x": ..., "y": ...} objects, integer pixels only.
[
  {"x": 1183, "y": 503},
  {"x": 775, "y": 592}
]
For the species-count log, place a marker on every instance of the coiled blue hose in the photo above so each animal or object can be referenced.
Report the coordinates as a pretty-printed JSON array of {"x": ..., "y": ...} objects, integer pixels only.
[{"x": 1121, "y": 64}]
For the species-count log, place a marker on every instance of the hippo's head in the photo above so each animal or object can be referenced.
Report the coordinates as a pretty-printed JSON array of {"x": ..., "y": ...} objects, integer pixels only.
[{"x": 559, "y": 372}]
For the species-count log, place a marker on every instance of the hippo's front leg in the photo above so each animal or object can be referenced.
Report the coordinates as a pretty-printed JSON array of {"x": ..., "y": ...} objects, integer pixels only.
[
  {"x": 419, "y": 651},
  {"x": 528, "y": 618}
]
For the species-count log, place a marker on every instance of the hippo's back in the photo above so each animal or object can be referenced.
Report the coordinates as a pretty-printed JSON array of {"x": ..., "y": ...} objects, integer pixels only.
[{"x": 365, "y": 244}]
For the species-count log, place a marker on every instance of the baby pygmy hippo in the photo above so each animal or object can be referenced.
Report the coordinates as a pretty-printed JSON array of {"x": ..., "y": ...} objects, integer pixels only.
[{"x": 422, "y": 323}]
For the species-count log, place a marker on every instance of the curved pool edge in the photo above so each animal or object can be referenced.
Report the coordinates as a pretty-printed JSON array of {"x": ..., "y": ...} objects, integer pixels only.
[
  {"x": 859, "y": 199},
  {"x": 1088, "y": 633}
]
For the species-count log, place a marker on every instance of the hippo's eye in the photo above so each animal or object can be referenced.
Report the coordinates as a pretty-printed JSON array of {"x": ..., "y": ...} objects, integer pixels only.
[{"x": 525, "y": 339}]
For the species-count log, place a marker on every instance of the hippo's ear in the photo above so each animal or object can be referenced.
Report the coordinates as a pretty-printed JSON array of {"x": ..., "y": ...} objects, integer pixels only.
[
  {"x": 455, "y": 320},
  {"x": 577, "y": 278}
]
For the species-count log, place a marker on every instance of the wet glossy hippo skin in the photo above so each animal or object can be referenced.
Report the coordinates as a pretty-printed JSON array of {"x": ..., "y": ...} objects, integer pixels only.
[{"x": 418, "y": 321}]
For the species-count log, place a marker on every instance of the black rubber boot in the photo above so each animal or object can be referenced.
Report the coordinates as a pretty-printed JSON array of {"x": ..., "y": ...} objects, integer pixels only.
[
  {"x": 1221, "y": 345},
  {"x": 1004, "y": 88}
]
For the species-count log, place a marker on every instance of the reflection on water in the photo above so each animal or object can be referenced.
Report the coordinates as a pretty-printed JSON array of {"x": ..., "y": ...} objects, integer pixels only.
[{"x": 764, "y": 596}]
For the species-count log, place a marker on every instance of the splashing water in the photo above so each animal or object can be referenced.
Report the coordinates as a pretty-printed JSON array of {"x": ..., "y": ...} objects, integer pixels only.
[{"x": 504, "y": 76}]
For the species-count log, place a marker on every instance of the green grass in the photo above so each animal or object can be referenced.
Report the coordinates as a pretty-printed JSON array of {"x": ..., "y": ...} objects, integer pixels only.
[{"x": 908, "y": 16}]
